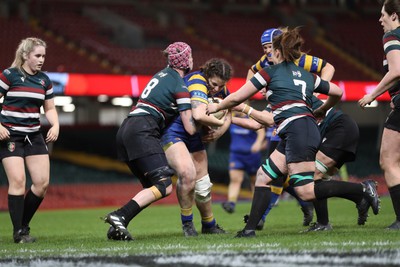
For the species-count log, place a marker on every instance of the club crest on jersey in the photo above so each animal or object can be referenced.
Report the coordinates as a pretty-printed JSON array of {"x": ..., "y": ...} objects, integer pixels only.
[
  {"x": 11, "y": 146},
  {"x": 41, "y": 82},
  {"x": 296, "y": 73}
]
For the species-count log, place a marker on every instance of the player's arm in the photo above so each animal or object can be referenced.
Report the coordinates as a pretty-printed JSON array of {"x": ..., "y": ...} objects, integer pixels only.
[
  {"x": 327, "y": 72},
  {"x": 334, "y": 93},
  {"x": 390, "y": 78},
  {"x": 227, "y": 122},
  {"x": 234, "y": 99},
  {"x": 4, "y": 133},
  {"x": 258, "y": 119},
  {"x": 258, "y": 143},
  {"x": 250, "y": 74},
  {"x": 247, "y": 123},
  {"x": 199, "y": 110},
  {"x": 188, "y": 122},
  {"x": 317, "y": 65},
  {"x": 215, "y": 133},
  {"x": 52, "y": 117}
]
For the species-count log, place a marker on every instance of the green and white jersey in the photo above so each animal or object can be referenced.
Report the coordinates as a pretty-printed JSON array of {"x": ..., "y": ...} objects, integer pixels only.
[
  {"x": 164, "y": 97},
  {"x": 24, "y": 94},
  {"x": 289, "y": 91}
]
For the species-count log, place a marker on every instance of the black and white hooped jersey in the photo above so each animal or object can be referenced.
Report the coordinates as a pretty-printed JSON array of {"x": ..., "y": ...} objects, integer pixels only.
[
  {"x": 164, "y": 97},
  {"x": 391, "y": 41},
  {"x": 289, "y": 91},
  {"x": 24, "y": 94}
]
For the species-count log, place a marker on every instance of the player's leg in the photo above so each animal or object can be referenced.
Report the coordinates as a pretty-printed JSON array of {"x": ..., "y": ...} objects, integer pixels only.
[
  {"x": 180, "y": 160},
  {"x": 274, "y": 168},
  {"x": 236, "y": 177},
  {"x": 203, "y": 194},
  {"x": 38, "y": 165},
  {"x": 39, "y": 170},
  {"x": 390, "y": 163},
  {"x": 306, "y": 207},
  {"x": 14, "y": 168}
]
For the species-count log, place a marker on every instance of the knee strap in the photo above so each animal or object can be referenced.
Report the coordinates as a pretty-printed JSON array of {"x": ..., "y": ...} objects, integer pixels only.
[
  {"x": 302, "y": 178},
  {"x": 271, "y": 169},
  {"x": 202, "y": 189},
  {"x": 161, "y": 179}
]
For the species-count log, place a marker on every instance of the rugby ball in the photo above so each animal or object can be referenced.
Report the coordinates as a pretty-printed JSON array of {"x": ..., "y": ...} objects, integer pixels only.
[{"x": 220, "y": 114}]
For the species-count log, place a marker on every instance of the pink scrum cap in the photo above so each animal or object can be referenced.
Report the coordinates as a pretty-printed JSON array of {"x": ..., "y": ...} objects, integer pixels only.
[{"x": 178, "y": 55}]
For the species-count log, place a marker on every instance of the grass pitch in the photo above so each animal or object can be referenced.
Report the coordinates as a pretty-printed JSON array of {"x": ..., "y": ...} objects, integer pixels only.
[{"x": 75, "y": 237}]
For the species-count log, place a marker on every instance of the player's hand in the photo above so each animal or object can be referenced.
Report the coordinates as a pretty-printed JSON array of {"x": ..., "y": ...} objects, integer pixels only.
[
  {"x": 319, "y": 114},
  {"x": 239, "y": 107},
  {"x": 4, "y": 133},
  {"x": 256, "y": 147},
  {"x": 52, "y": 134},
  {"x": 212, "y": 108},
  {"x": 366, "y": 100},
  {"x": 392, "y": 106},
  {"x": 208, "y": 135}
]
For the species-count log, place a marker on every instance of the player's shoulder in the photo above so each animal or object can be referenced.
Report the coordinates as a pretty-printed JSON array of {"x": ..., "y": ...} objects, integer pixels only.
[
  {"x": 392, "y": 37},
  {"x": 196, "y": 76},
  {"x": 11, "y": 71}
]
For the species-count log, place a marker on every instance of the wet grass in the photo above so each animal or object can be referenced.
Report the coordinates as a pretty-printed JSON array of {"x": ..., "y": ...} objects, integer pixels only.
[{"x": 157, "y": 231}]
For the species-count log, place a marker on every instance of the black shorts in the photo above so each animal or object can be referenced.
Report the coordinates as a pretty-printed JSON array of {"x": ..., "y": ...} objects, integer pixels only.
[
  {"x": 23, "y": 145},
  {"x": 138, "y": 136},
  {"x": 341, "y": 140},
  {"x": 300, "y": 140},
  {"x": 393, "y": 120}
]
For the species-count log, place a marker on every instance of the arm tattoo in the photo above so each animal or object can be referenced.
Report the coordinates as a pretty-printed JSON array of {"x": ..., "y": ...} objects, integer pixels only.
[{"x": 195, "y": 104}]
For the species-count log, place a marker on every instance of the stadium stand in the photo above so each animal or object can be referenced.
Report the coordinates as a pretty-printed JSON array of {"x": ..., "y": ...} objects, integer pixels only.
[{"x": 126, "y": 37}]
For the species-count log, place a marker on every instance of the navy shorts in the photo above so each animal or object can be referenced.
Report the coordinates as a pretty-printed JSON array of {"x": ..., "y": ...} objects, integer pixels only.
[
  {"x": 248, "y": 162},
  {"x": 300, "y": 140},
  {"x": 192, "y": 142},
  {"x": 23, "y": 145}
]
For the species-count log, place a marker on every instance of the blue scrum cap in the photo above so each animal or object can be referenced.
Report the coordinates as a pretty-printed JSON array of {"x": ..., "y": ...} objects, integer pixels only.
[{"x": 268, "y": 35}]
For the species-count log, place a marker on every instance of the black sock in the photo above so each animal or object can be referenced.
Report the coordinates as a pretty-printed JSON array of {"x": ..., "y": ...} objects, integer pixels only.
[
  {"x": 395, "y": 196},
  {"x": 130, "y": 210},
  {"x": 261, "y": 199},
  {"x": 32, "y": 203},
  {"x": 16, "y": 210},
  {"x": 334, "y": 188},
  {"x": 321, "y": 208}
]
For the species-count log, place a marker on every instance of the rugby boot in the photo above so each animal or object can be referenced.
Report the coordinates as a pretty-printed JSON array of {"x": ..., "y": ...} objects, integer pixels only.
[
  {"x": 394, "y": 226},
  {"x": 371, "y": 193},
  {"x": 245, "y": 234},
  {"x": 113, "y": 234},
  {"x": 188, "y": 229},
  {"x": 118, "y": 222},
  {"x": 229, "y": 207},
  {"x": 260, "y": 224},
  {"x": 216, "y": 229},
  {"x": 316, "y": 227},
  {"x": 23, "y": 236},
  {"x": 362, "y": 209}
]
